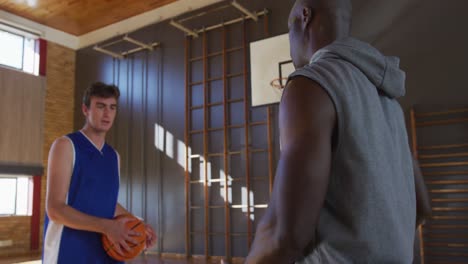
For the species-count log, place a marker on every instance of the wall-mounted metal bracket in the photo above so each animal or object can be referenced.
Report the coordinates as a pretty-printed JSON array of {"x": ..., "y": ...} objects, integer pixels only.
[
  {"x": 184, "y": 29},
  {"x": 245, "y": 10},
  {"x": 122, "y": 55},
  {"x": 196, "y": 32}
]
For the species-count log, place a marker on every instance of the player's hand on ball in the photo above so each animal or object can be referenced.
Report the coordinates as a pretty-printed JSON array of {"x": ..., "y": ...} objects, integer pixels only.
[
  {"x": 150, "y": 236},
  {"x": 119, "y": 235}
]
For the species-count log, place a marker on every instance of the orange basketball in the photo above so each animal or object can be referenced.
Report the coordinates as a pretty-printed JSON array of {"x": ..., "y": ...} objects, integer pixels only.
[{"x": 136, "y": 225}]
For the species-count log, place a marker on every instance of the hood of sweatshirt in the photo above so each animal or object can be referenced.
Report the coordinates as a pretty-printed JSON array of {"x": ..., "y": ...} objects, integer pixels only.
[{"x": 384, "y": 72}]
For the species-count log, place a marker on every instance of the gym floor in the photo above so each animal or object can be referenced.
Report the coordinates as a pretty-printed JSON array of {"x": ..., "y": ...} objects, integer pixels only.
[{"x": 35, "y": 259}]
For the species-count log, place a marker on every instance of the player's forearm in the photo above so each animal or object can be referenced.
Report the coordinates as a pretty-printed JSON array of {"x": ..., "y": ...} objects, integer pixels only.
[
  {"x": 119, "y": 209},
  {"x": 270, "y": 249},
  {"x": 288, "y": 228},
  {"x": 70, "y": 217}
]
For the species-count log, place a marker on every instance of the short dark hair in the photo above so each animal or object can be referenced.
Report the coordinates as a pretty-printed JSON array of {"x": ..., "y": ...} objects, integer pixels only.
[{"x": 99, "y": 89}]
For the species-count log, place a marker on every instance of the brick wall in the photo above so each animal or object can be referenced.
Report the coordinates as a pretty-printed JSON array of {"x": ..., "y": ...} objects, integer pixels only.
[
  {"x": 58, "y": 121},
  {"x": 16, "y": 230}
]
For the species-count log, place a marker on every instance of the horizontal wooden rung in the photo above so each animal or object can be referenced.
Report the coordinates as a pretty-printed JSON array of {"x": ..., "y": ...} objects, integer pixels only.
[
  {"x": 209, "y": 233},
  {"x": 443, "y": 164},
  {"x": 438, "y": 156},
  {"x": 233, "y": 75},
  {"x": 196, "y": 83},
  {"x": 213, "y": 54},
  {"x": 230, "y": 180},
  {"x": 449, "y": 191},
  {"x": 203, "y": 182},
  {"x": 215, "y": 104},
  {"x": 456, "y": 236},
  {"x": 196, "y": 131},
  {"x": 211, "y": 129},
  {"x": 449, "y": 146},
  {"x": 450, "y": 217},
  {"x": 212, "y": 79},
  {"x": 251, "y": 178},
  {"x": 217, "y": 233},
  {"x": 449, "y": 200},
  {"x": 445, "y": 173},
  {"x": 218, "y": 78},
  {"x": 196, "y": 58},
  {"x": 258, "y": 150},
  {"x": 442, "y": 122},
  {"x": 431, "y": 226},
  {"x": 258, "y": 123},
  {"x": 442, "y": 182},
  {"x": 446, "y": 254},
  {"x": 438, "y": 113},
  {"x": 241, "y": 206},
  {"x": 233, "y": 49},
  {"x": 236, "y": 126},
  {"x": 449, "y": 209},
  {"x": 448, "y": 245},
  {"x": 216, "y": 180},
  {"x": 210, "y": 207},
  {"x": 196, "y": 107},
  {"x": 237, "y": 100},
  {"x": 208, "y": 181}
]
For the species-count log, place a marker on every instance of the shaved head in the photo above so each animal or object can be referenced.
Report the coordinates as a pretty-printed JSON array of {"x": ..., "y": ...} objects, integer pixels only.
[
  {"x": 339, "y": 11},
  {"x": 314, "y": 24}
]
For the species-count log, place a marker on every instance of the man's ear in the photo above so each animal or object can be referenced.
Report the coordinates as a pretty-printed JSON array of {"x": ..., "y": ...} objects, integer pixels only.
[
  {"x": 307, "y": 16},
  {"x": 84, "y": 109}
]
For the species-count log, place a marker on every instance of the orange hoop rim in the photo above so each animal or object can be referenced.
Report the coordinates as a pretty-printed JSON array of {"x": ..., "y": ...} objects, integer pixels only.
[{"x": 275, "y": 83}]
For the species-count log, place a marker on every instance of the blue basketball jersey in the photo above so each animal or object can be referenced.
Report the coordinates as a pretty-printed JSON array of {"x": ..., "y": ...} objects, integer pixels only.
[{"x": 94, "y": 187}]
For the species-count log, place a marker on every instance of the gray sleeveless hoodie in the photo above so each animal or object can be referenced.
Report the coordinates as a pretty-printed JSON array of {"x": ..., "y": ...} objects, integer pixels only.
[{"x": 369, "y": 213}]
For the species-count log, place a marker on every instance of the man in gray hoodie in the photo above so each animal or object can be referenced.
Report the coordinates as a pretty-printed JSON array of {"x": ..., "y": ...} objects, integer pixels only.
[{"x": 346, "y": 188}]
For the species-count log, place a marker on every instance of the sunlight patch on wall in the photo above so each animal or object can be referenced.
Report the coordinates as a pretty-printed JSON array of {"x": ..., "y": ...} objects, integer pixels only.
[
  {"x": 169, "y": 145},
  {"x": 175, "y": 149},
  {"x": 222, "y": 190},
  {"x": 245, "y": 202},
  {"x": 181, "y": 155}
]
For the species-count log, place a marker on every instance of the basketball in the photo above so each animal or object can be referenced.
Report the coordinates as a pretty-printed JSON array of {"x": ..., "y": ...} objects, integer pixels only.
[{"x": 136, "y": 225}]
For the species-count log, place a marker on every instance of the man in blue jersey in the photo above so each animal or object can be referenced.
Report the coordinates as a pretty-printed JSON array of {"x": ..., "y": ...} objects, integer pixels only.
[
  {"x": 82, "y": 188},
  {"x": 346, "y": 189}
]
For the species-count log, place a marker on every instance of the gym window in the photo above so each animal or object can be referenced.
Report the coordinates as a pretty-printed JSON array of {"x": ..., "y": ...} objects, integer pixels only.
[
  {"x": 16, "y": 195},
  {"x": 19, "y": 49}
]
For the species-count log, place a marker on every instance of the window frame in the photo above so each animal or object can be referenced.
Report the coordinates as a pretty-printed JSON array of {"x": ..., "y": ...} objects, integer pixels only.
[
  {"x": 26, "y": 35},
  {"x": 29, "y": 194}
]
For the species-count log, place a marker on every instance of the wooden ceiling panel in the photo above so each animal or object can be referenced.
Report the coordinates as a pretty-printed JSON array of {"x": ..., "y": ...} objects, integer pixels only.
[{"x": 79, "y": 17}]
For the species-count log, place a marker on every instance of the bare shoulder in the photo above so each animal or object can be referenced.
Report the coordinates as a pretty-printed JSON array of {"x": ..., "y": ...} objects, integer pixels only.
[
  {"x": 61, "y": 146},
  {"x": 303, "y": 96}
]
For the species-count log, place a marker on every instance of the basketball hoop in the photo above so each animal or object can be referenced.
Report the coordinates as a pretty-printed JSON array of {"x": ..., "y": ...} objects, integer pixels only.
[{"x": 278, "y": 83}]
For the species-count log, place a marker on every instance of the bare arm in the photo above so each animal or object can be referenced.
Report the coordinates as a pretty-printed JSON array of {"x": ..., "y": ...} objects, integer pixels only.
[
  {"x": 119, "y": 209},
  {"x": 423, "y": 202},
  {"x": 307, "y": 120},
  {"x": 59, "y": 174}
]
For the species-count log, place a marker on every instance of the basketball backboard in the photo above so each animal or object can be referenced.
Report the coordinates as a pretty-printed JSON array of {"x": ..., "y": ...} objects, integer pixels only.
[{"x": 270, "y": 65}]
